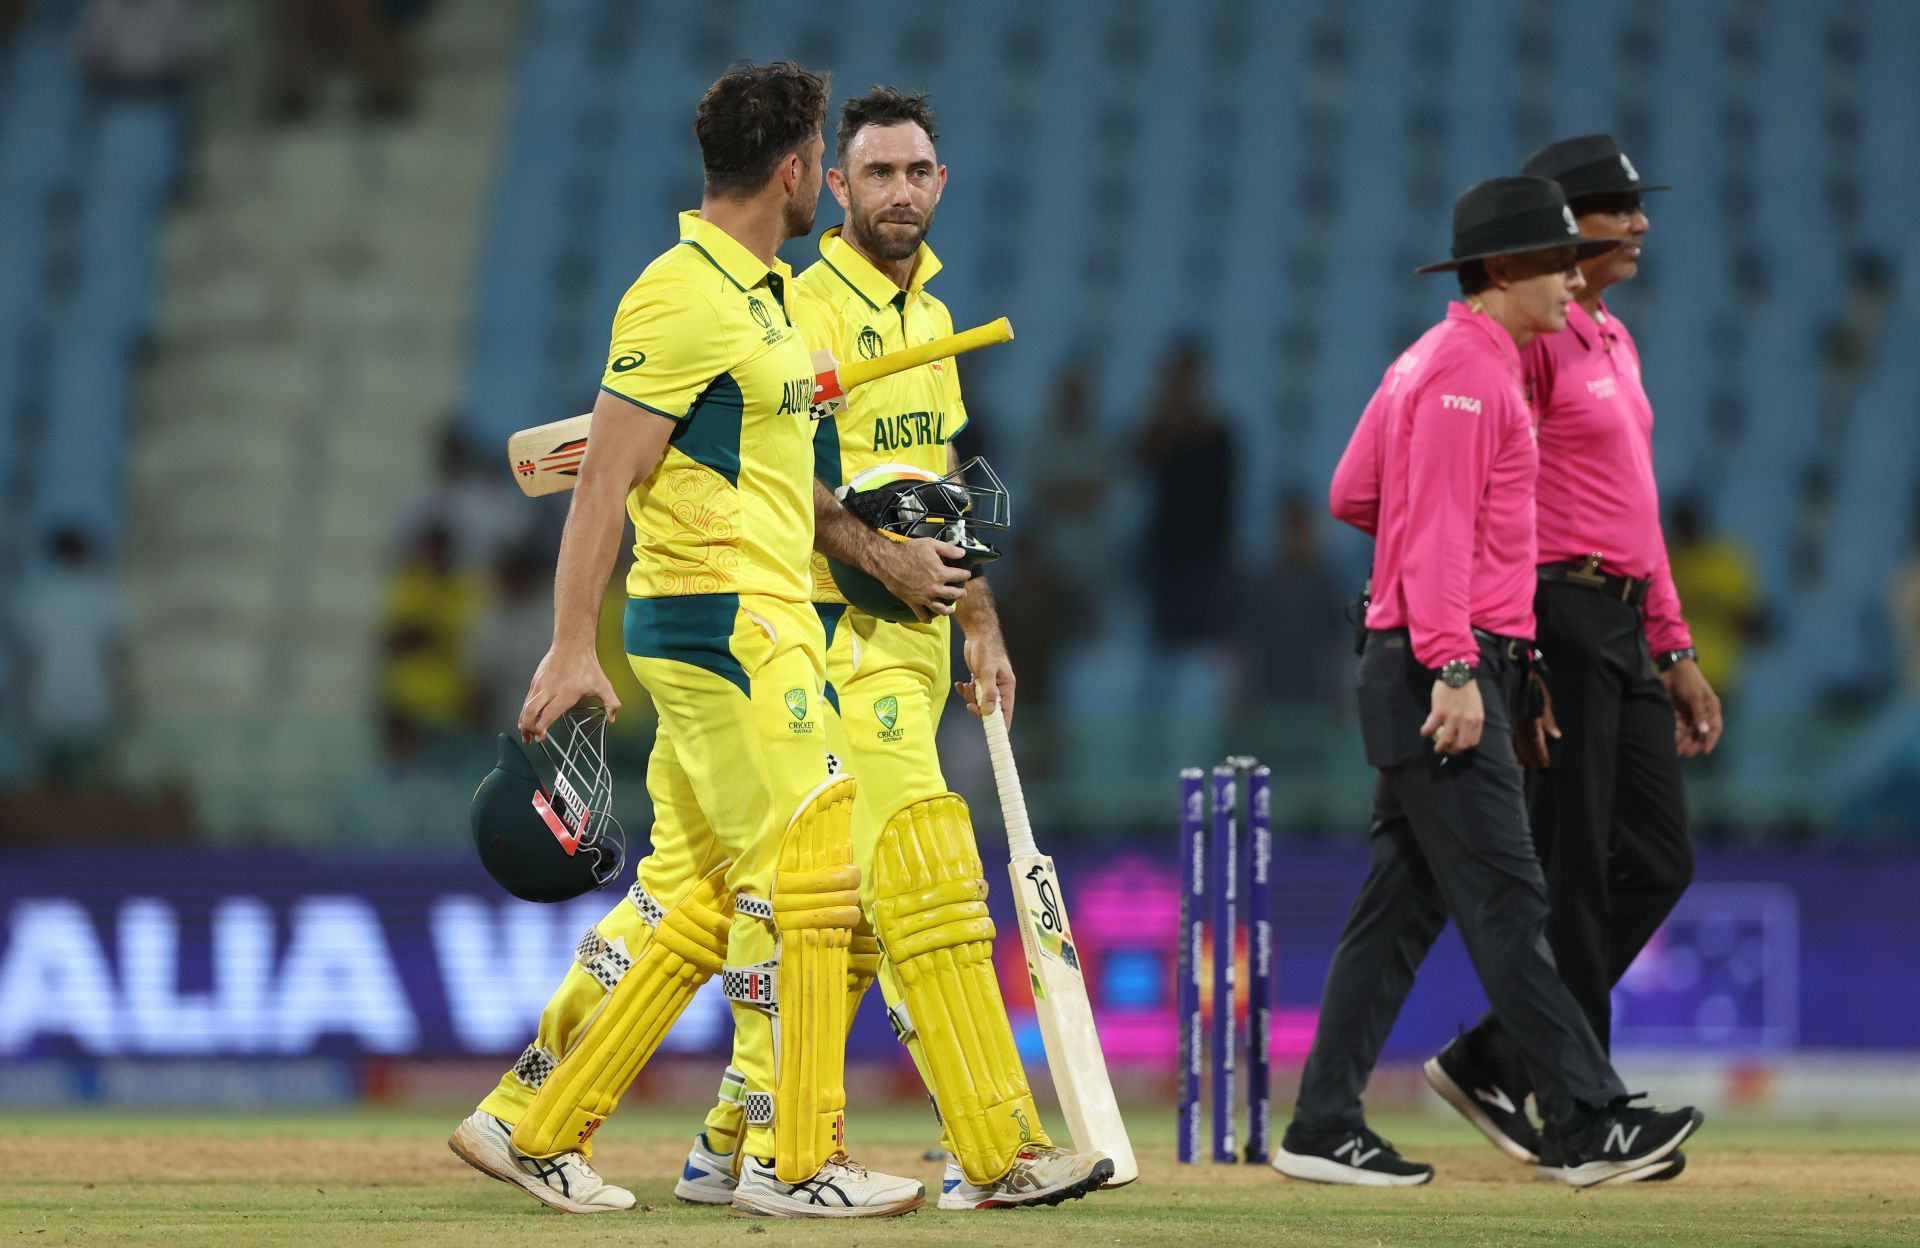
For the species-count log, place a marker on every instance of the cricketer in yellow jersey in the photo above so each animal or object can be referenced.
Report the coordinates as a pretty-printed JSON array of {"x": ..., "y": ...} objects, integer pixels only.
[
  {"x": 922, "y": 885},
  {"x": 702, "y": 432}
]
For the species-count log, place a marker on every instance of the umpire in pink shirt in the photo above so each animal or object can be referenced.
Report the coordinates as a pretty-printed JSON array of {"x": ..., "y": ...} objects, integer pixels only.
[
  {"x": 1608, "y": 810},
  {"x": 1441, "y": 470}
]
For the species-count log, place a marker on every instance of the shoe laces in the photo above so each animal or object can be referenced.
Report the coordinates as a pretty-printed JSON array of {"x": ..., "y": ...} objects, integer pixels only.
[
  {"x": 1624, "y": 1107},
  {"x": 1375, "y": 1140},
  {"x": 844, "y": 1162}
]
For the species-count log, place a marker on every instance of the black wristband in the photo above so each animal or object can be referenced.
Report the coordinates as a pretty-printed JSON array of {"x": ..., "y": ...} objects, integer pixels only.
[{"x": 1667, "y": 660}]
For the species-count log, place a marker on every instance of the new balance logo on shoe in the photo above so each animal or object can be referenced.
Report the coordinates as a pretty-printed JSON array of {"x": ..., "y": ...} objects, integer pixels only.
[
  {"x": 1497, "y": 1098},
  {"x": 1355, "y": 1147},
  {"x": 1620, "y": 1139}
]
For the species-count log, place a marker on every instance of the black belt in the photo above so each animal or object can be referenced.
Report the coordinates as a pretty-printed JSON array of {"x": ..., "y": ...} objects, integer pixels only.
[
  {"x": 1586, "y": 574},
  {"x": 1513, "y": 648}
]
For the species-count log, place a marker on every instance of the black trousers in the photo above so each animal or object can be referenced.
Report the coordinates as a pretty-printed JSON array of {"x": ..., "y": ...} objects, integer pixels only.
[
  {"x": 1449, "y": 840},
  {"x": 1610, "y": 815}
]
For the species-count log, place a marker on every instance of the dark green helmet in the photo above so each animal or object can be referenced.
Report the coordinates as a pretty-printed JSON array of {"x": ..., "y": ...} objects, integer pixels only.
[
  {"x": 543, "y": 819},
  {"x": 903, "y": 503}
]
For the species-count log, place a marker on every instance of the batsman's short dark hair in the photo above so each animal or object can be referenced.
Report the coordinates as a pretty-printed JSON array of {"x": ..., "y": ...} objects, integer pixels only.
[
  {"x": 752, "y": 118},
  {"x": 1473, "y": 276},
  {"x": 882, "y": 106}
]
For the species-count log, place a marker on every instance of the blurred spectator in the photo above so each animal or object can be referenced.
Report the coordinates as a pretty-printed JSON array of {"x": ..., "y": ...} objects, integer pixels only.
[
  {"x": 1903, "y": 609},
  {"x": 73, "y": 642},
  {"x": 1073, "y": 472},
  {"x": 1188, "y": 457},
  {"x": 512, "y": 637},
  {"x": 475, "y": 501},
  {"x": 13, "y": 15},
  {"x": 144, "y": 45},
  {"x": 314, "y": 39},
  {"x": 432, "y": 611},
  {"x": 1289, "y": 626},
  {"x": 1720, "y": 592},
  {"x": 1038, "y": 611}
]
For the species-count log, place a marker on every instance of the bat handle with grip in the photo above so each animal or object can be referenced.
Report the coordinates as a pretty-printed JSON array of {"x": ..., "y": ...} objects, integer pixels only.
[
  {"x": 1006, "y": 778},
  {"x": 859, "y": 372}
]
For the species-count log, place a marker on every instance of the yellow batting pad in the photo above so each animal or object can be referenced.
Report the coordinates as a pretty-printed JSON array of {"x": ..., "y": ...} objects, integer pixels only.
[
  {"x": 863, "y": 964},
  {"x": 930, "y": 906},
  {"x": 816, "y": 906},
  {"x": 678, "y": 953}
]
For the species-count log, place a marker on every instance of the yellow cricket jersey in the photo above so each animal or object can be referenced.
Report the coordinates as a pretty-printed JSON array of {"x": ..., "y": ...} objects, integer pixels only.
[
  {"x": 842, "y": 303},
  {"x": 705, "y": 338}
]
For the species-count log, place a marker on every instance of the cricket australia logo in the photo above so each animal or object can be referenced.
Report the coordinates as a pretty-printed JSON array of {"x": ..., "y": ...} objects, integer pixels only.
[
  {"x": 797, "y": 703},
  {"x": 887, "y": 711},
  {"x": 869, "y": 344}
]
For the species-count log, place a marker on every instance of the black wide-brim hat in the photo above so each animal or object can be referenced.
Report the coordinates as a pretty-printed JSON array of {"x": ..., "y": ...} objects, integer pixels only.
[
  {"x": 1508, "y": 216},
  {"x": 1588, "y": 164}
]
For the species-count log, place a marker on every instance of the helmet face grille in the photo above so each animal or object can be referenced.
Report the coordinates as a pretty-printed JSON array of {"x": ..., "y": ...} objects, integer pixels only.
[{"x": 582, "y": 798}]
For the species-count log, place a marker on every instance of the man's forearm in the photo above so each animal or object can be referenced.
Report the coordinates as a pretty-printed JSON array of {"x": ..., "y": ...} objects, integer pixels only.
[
  {"x": 839, "y": 534},
  {"x": 587, "y": 549},
  {"x": 976, "y": 614}
]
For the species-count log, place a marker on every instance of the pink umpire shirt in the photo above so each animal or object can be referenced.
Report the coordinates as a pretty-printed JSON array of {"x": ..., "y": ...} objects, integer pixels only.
[
  {"x": 1440, "y": 471},
  {"x": 1597, "y": 493}
]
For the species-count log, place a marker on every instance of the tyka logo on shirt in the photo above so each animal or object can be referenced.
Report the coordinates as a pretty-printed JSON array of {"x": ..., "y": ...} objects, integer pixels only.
[{"x": 1460, "y": 402}]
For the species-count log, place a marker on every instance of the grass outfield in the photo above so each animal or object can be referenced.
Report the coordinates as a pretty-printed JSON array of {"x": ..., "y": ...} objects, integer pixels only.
[{"x": 372, "y": 1177}]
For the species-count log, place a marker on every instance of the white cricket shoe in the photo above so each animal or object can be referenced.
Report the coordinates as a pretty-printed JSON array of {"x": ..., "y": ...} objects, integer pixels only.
[
  {"x": 707, "y": 1178},
  {"x": 1041, "y": 1175},
  {"x": 566, "y": 1182},
  {"x": 840, "y": 1189}
]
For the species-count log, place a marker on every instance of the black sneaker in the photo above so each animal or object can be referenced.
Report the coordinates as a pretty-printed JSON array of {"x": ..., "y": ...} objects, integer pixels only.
[
  {"x": 1659, "y": 1172},
  {"x": 1359, "y": 1158},
  {"x": 1475, "y": 1091},
  {"x": 1626, "y": 1143}
]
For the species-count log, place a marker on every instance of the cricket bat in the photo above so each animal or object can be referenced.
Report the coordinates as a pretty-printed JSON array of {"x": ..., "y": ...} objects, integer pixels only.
[
  {"x": 546, "y": 458},
  {"x": 1059, "y": 984}
]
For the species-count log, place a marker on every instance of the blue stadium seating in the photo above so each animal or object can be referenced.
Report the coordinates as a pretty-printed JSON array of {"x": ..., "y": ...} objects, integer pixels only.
[
  {"x": 1262, "y": 177},
  {"x": 84, "y": 182}
]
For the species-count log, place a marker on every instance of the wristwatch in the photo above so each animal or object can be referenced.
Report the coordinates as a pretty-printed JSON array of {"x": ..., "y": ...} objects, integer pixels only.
[
  {"x": 1670, "y": 657},
  {"x": 1457, "y": 673}
]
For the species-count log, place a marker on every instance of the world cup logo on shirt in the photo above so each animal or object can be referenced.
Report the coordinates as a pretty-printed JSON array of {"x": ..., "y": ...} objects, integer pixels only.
[{"x": 869, "y": 343}]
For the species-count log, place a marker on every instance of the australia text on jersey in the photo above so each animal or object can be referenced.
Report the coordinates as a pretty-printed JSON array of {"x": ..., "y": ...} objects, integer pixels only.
[{"x": 905, "y": 429}]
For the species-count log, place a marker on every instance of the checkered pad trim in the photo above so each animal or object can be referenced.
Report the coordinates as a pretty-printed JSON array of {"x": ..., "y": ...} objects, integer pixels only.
[
  {"x": 752, "y": 985},
  {"x": 534, "y": 1066},
  {"x": 589, "y": 947},
  {"x": 650, "y": 910},
  {"x": 753, "y": 907},
  {"x": 602, "y": 959},
  {"x": 759, "y": 1109}
]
